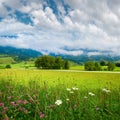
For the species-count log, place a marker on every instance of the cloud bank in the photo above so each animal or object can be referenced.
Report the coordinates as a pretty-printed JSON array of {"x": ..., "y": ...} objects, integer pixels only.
[{"x": 51, "y": 25}]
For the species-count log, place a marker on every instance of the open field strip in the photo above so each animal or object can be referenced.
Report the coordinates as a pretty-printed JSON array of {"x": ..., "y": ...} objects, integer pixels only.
[
  {"x": 59, "y": 95},
  {"x": 117, "y": 72}
]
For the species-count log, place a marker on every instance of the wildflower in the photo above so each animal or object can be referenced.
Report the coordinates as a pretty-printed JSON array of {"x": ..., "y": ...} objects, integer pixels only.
[
  {"x": 12, "y": 103},
  {"x": 105, "y": 90},
  {"x": 4, "y": 110},
  {"x": 71, "y": 92},
  {"x": 24, "y": 110},
  {"x": 68, "y": 89},
  {"x": 1, "y": 104},
  {"x": 85, "y": 97},
  {"x": 75, "y": 88},
  {"x": 67, "y": 99},
  {"x": 24, "y": 102},
  {"x": 19, "y": 101},
  {"x": 58, "y": 102},
  {"x": 97, "y": 108},
  {"x": 91, "y": 94},
  {"x": 42, "y": 115}
]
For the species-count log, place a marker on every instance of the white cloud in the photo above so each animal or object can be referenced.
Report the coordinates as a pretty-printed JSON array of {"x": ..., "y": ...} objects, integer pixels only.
[
  {"x": 45, "y": 18},
  {"x": 89, "y": 24},
  {"x": 12, "y": 26},
  {"x": 94, "y": 53},
  {"x": 3, "y": 10}
]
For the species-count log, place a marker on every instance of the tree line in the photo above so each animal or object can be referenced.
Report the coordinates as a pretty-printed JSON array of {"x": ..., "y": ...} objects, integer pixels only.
[
  {"x": 96, "y": 66},
  {"x": 50, "y": 62}
]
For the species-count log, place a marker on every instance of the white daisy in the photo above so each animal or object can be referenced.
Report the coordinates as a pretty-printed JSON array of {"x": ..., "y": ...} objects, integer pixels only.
[
  {"x": 91, "y": 94},
  {"x": 58, "y": 102}
]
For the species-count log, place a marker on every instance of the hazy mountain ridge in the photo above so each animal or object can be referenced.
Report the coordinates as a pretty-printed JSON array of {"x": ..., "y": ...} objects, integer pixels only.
[
  {"x": 25, "y": 54},
  {"x": 84, "y": 57},
  {"x": 19, "y": 53}
]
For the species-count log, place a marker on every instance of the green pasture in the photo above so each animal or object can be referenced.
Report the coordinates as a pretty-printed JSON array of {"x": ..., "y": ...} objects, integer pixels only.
[
  {"x": 77, "y": 67},
  {"x": 117, "y": 69},
  {"x": 84, "y": 80},
  {"x": 6, "y": 60},
  {"x": 81, "y": 68},
  {"x": 59, "y": 95}
]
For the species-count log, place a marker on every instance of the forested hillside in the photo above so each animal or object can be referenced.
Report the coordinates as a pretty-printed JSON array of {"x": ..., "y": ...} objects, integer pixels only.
[{"x": 19, "y": 53}]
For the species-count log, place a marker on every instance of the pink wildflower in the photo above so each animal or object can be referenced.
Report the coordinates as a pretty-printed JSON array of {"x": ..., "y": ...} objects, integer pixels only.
[
  {"x": 19, "y": 101},
  {"x": 1, "y": 104},
  {"x": 12, "y": 103},
  {"x": 4, "y": 110},
  {"x": 42, "y": 115},
  {"x": 24, "y": 102}
]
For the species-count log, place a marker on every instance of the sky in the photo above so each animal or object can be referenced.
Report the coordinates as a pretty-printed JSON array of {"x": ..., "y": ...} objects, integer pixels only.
[{"x": 61, "y": 26}]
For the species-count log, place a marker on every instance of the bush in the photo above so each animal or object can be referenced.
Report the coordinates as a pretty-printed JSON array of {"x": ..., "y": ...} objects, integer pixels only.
[
  {"x": 92, "y": 66},
  {"x": 66, "y": 64},
  {"x": 111, "y": 66},
  {"x": 102, "y": 63},
  {"x": 50, "y": 62},
  {"x": 8, "y": 66},
  {"x": 117, "y": 64}
]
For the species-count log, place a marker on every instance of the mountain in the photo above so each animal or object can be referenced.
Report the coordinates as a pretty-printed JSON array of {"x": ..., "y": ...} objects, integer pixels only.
[
  {"x": 86, "y": 57},
  {"x": 24, "y": 54},
  {"x": 19, "y": 53}
]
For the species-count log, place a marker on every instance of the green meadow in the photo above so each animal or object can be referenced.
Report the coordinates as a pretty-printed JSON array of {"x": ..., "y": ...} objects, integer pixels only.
[
  {"x": 81, "y": 68},
  {"x": 59, "y": 95}
]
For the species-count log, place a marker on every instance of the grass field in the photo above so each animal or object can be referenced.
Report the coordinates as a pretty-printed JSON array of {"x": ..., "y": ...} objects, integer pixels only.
[
  {"x": 6, "y": 60},
  {"x": 78, "y": 67},
  {"x": 58, "y": 95}
]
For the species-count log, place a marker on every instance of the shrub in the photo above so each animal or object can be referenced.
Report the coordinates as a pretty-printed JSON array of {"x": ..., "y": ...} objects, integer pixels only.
[
  {"x": 117, "y": 64},
  {"x": 111, "y": 66},
  {"x": 92, "y": 66},
  {"x": 8, "y": 66}
]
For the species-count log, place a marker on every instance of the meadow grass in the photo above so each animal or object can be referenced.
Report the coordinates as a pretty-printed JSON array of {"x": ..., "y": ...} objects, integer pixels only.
[
  {"x": 6, "y": 60},
  {"x": 59, "y": 95},
  {"x": 77, "y": 67},
  {"x": 81, "y": 68}
]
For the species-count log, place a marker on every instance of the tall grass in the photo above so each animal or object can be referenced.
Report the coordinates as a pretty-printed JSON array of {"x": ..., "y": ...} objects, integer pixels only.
[{"x": 53, "y": 95}]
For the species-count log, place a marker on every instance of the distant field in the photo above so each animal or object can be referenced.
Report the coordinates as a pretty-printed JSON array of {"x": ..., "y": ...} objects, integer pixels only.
[
  {"x": 117, "y": 69},
  {"x": 6, "y": 60},
  {"x": 82, "y": 68},
  {"x": 59, "y": 95},
  {"x": 77, "y": 67},
  {"x": 25, "y": 65}
]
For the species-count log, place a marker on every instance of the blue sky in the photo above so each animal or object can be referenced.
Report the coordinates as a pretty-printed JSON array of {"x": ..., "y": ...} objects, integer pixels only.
[{"x": 52, "y": 25}]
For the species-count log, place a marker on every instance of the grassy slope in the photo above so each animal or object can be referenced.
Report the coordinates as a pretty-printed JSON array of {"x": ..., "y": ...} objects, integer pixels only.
[
  {"x": 6, "y": 60},
  {"x": 82, "y": 68},
  {"x": 41, "y": 88},
  {"x": 81, "y": 79}
]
